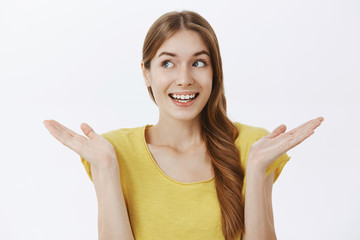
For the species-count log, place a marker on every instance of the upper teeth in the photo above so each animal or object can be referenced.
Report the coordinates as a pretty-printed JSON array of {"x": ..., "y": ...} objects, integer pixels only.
[{"x": 183, "y": 96}]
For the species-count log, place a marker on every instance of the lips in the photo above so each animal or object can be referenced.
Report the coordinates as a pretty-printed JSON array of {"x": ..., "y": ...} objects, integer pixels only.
[
  {"x": 183, "y": 99},
  {"x": 183, "y": 96}
]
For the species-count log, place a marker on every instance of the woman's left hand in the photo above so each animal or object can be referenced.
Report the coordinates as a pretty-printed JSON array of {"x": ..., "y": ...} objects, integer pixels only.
[{"x": 269, "y": 148}]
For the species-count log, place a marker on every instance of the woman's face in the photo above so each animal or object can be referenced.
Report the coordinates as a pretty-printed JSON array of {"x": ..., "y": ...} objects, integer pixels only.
[{"x": 180, "y": 76}]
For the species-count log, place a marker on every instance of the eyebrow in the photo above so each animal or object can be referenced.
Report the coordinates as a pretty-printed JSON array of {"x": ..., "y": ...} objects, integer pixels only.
[{"x": 195, "y": 54}]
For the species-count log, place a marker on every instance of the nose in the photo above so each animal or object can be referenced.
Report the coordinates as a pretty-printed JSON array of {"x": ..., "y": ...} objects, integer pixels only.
[{"x": 184, "y": 77}]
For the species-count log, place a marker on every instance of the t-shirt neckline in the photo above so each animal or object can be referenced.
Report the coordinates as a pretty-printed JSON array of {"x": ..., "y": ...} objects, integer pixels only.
[{"x": 151, "y": 158}]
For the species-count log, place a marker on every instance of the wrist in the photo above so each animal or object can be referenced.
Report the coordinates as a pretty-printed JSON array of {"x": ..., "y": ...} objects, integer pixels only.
[
  {"x": 254, "y": 170},
  {"x": 106, "y": 167},
  {"x": 255, "y": 166},
  {"x": 105, "y": 177}
]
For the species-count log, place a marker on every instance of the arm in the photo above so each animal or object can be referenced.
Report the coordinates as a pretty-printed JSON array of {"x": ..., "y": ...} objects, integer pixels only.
[
  {"x": 113, "y": 220},
  {"x": 268, "y": 195},
  {"x": 259, "y": 223}
]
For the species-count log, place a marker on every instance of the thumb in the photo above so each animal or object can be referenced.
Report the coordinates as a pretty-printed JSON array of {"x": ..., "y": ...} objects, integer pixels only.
[
  {"x": 88, "y": 131},
  {"x": 277, "y": 131}
]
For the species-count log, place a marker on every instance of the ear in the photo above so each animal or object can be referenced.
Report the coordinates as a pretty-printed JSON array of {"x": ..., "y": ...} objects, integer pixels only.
[{"x": 146, "y": 74}]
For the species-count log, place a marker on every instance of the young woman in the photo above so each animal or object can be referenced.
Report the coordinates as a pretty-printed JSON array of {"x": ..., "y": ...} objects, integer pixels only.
[{"x": 195, "y": 174}]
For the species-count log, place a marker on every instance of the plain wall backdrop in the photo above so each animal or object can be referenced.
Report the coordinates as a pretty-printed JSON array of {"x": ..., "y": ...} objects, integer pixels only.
[{"x": 79, "y": 61}]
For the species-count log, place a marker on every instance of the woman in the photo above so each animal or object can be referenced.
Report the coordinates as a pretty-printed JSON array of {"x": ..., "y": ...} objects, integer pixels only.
[{"x": 184, "y": 178}]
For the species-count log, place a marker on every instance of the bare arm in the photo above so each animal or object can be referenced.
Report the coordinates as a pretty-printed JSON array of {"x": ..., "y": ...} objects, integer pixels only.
[
  {"x": 113, "y": 220},
  {"x": 259, "y": 223},
  {"x": 268, "y": 195}
]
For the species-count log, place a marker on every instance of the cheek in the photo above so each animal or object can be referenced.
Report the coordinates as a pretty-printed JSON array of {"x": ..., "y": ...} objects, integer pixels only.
[
  {"x": 209, "y": 84},
  {"x": 158, "y": 83},
  {"x": 207, "y": 81}
]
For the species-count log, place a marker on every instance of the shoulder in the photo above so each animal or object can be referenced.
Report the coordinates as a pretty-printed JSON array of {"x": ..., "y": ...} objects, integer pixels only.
[
  {"x": 249, "y": 133},
  {"x": 124, "y": 135}
]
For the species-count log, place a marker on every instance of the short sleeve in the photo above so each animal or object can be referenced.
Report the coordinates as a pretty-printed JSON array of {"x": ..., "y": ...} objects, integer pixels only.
[
  {"x": 86, "y": 163},
  {"x": 87, "y": 167},
  {"x": 278, "y": 165}
]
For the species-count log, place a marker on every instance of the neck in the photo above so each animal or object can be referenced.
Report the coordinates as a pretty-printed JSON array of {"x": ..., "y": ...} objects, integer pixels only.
[{"x": 177, "y": 134}]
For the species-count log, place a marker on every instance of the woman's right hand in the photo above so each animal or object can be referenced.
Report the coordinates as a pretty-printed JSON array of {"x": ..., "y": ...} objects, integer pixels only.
[{"x": 94, "y": 148}]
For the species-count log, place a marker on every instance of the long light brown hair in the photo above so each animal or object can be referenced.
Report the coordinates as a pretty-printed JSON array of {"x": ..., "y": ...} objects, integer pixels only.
[{"x": 218, "y": 132}]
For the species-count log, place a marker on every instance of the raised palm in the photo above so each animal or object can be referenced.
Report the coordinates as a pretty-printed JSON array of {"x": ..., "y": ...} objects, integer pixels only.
[
  {"x": 94, "y": 148},
  {"x": 269, "y": 148}
]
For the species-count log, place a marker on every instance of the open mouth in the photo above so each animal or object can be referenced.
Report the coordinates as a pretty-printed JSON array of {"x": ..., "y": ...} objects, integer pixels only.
[{"x": 183, "y": 98}]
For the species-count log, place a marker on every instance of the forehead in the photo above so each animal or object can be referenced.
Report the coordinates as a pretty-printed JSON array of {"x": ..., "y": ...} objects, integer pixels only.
[{"x": 183, "y": 43}]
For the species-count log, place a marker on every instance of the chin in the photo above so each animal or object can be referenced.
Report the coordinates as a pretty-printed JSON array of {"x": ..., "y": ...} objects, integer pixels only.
[{"x": 181, "y": 116}]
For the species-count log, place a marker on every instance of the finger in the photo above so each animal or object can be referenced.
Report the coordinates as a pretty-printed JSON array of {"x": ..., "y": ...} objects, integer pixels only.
[
  {"x": 73, "y": 141},
  {"x": 88, "y": 131},
  {"x": 299, "y": 136},
  {"x": 307, "y": 124},
  {"x": 308, "y": 128},
  {"x": 59, "y": 131},
  {"x": 311, "y": 127},
  {"x": 61, "y": 127},
  {"x": 52, "y": 127},
  {"x": 56, "y": 132},
  {"x": 277, "y": 131}
]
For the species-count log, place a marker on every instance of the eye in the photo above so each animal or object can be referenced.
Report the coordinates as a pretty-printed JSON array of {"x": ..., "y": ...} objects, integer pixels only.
[
  {"x": 167, "y": 64},
  {"x": 199, "y": 63}
]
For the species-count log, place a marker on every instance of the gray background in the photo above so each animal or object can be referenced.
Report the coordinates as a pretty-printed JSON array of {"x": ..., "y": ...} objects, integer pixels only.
[{"x": 79, "y": 61}]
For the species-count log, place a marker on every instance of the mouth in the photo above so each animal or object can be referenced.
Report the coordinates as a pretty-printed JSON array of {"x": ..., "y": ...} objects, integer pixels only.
[{"x": 183, "y": 98}]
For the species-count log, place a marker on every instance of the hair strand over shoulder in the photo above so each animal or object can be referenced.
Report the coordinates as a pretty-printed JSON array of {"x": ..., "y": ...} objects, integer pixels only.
[{"x": 218, "y": 131}]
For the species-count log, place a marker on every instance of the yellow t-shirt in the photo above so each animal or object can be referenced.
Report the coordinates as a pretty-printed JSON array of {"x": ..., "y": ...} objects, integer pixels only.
[{"x": 160, "y": 207}]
